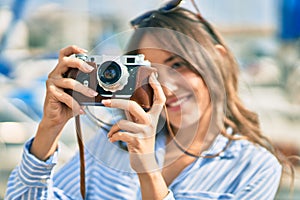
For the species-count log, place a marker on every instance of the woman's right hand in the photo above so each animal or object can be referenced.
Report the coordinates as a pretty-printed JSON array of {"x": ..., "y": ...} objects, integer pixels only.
[{"x": 59, "y": 106}]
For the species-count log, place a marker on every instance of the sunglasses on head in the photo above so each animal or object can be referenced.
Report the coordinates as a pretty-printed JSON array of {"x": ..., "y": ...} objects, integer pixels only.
[{"x": 169, "y": 7}]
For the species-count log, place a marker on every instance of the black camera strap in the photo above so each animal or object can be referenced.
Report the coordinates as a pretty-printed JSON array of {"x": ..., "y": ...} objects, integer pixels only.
[{"x": 81, "y": 155}]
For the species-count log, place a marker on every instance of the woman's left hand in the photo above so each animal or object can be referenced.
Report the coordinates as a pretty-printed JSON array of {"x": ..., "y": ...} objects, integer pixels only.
[{"x": 139, "y": 133}]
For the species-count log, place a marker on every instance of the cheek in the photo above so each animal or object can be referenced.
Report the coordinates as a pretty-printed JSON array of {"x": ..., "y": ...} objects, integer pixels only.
[
  {"x": 200, "y": 90},
  {"x": 196, "y": 83}
]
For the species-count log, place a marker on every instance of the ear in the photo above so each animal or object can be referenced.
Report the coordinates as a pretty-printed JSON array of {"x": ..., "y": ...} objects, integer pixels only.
[{"x": 221, "y": 49}]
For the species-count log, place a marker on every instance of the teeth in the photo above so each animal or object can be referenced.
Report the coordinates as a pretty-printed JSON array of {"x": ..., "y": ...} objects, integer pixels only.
[{"x": 178, "y": 102}]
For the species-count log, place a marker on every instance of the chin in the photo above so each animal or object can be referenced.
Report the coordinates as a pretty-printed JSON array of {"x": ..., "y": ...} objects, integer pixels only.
[
  {"x": 184, "y": 120},
  {"x": 185, "y": 114}
]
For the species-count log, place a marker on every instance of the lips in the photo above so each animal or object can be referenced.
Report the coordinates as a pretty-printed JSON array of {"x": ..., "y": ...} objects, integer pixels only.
[{"x": 175, "y": 103}]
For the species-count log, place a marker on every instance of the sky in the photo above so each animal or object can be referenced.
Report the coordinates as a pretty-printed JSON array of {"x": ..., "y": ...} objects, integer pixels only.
[{"x": 235, "y": 12}]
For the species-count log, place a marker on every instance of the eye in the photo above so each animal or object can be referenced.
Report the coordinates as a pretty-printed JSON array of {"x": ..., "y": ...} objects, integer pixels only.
[{"x": 178, "y": 65}]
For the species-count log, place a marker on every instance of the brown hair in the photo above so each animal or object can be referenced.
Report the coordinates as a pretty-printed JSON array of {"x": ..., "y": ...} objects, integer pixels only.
[{"x": 237, "y": 116}]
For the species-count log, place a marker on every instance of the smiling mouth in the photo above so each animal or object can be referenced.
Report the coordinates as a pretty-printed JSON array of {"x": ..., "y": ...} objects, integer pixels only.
[{"x": 177, "y": 102}]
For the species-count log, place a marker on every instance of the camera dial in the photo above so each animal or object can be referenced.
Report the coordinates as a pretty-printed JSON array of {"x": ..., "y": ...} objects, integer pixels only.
[{"x": 112, "y": 76}]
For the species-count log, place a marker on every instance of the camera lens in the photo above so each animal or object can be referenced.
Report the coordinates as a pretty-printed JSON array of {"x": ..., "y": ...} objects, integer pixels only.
[
  {"x": 112, "y": 76},
  {"x": 109, "y": 72}
]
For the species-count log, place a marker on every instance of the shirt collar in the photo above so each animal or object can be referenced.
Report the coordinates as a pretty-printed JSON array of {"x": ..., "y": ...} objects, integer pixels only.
[{"x": 219, "y": 147}]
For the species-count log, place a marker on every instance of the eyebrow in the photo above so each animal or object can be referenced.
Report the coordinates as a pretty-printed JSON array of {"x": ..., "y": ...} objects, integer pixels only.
[{"x": 170, "y": 58}]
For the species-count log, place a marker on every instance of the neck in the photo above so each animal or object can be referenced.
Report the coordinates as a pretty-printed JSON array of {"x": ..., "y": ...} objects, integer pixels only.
[{"x": 194, "y": 138}]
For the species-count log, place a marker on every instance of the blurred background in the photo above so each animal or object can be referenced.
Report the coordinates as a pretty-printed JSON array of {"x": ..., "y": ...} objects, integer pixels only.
[{"x": 264, "y": 35}]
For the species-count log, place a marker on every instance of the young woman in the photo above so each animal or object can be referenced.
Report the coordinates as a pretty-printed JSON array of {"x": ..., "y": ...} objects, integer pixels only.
[{"x": 210, "y": 146}]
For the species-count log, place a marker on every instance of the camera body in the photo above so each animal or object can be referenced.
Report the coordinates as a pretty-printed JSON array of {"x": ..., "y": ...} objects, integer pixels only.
[{"x": 123, "y": 77}]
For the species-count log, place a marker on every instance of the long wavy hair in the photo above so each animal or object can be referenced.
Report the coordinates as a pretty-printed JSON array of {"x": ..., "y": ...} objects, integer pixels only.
[{"x": 237, "y": 116}]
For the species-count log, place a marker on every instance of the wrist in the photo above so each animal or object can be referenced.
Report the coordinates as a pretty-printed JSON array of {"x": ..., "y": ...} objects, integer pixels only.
[
  {"x": 46, "y": 140},
  {"x": 144, "y": 163},
  {"x": 51, "y": 125},
  {"x": 154, "y": 175},
  {"x": 153, "y": 185}
]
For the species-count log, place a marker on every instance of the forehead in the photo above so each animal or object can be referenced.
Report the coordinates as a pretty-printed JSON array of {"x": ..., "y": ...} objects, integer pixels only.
[
  {"x": 155, "y": 55},
  {"x": 148, "y": 40},
  {"x": 153, "y": 52}
]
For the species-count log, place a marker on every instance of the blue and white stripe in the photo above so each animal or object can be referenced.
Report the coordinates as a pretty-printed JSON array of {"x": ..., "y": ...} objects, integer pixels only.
[{"x": 243, "y": 171}]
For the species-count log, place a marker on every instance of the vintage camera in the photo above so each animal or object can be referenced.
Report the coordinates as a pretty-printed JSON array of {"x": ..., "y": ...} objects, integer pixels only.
[{"x": 125, "y": 77}]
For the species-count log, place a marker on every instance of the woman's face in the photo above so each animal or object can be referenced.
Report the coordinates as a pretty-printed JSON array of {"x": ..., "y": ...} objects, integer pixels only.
[{"x": 187, "y": 97}]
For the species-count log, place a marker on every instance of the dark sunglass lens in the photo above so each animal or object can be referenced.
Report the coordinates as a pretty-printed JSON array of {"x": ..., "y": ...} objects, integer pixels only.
[
  {"x": 170, "y": 5},
  {"x": 139, "y": 19}
]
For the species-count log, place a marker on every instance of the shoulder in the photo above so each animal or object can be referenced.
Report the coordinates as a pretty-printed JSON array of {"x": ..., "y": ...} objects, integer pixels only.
[
  {"x": 243, "y": 168},
  {"x": 242, "y": 154},
  {"x": 240, "y": 157},
  {"x": 253, "y": 155}
]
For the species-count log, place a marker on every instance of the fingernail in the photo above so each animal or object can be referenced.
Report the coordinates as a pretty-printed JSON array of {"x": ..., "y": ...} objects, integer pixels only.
[
  {"x": 81, "y": 111},
  {"x": 84, "y": 50},
  {"x": 88, "y": 67},
  {"x": 92, "y": 92},
  {"x": 106, "y": 102},
  {"x": 154, "y": 77}
]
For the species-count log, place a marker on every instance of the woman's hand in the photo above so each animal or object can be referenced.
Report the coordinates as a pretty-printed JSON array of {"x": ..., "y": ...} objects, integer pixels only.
[
  {"x": 59, "y": 106},
  {"x": 139, "y": 133}
]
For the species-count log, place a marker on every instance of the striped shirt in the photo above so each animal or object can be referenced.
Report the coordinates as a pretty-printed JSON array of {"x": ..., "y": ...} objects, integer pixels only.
[{"x": 242, "y": 171}]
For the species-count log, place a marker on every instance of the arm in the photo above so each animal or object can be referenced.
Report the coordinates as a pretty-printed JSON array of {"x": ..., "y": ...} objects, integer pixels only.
[
  {"x": 59, "y": 107},
  {"x": 33, "y": 178},
  {"x": 264, "y": 184},
  {"x": 154, "y": 182},
  {"x": 139, "y": 134}
]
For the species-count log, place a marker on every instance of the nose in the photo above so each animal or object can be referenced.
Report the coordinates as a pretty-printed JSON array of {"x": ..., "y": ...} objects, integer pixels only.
[
  {"x": 168, "y": 79},
  {"x": 169, "y": 87}
]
